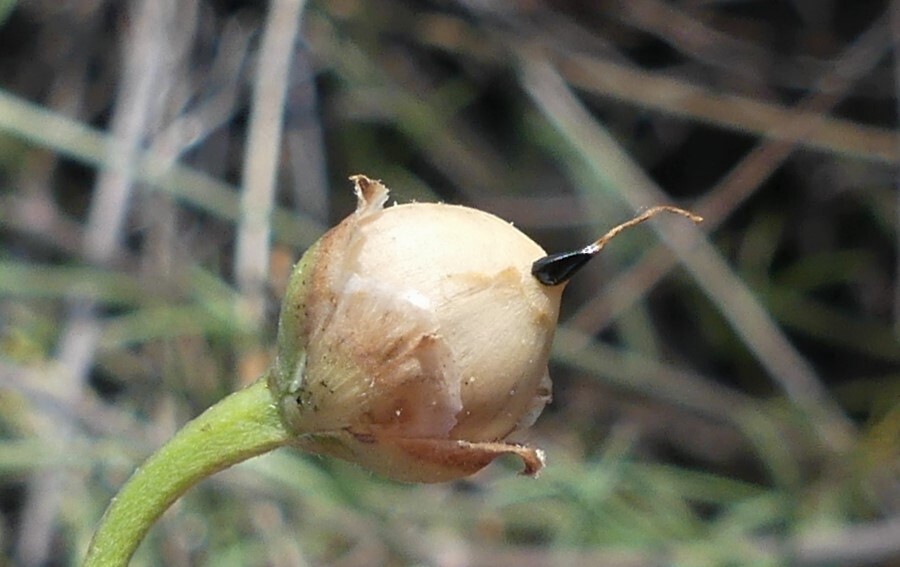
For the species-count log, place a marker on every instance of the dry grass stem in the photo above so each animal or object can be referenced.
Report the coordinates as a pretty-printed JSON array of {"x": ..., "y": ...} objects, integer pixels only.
[
  {"x": 80, "y": 335},
  {"x": 263, "y": 151},
  {"x": 741, "y": 181}
]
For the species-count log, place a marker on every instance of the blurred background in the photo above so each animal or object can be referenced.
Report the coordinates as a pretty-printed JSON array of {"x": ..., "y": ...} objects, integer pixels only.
[{"x": 724, "y": 396}]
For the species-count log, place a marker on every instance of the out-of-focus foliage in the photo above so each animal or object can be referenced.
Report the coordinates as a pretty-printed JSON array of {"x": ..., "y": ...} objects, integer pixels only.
[{"x": 729, "y": 397}]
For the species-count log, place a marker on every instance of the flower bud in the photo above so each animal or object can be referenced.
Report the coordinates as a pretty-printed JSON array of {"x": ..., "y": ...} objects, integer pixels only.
[{"x": 413, "y": 340}]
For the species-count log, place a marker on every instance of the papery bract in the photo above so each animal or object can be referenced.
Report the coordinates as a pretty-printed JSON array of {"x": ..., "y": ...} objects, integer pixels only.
[{"x": 413, "y": 340}]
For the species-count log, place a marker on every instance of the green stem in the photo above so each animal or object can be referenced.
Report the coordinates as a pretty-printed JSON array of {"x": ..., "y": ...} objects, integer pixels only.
[{"x": 243, "y": 425}]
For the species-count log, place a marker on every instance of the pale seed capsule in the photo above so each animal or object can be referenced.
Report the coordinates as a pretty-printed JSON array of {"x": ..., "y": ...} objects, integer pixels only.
[{"x": 414, "y": 339}]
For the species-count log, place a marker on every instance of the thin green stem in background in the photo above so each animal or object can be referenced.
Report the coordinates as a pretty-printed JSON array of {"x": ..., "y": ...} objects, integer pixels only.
[
  {"x": 76, "y": 140},
  {"x": 241, "y": 426}
]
